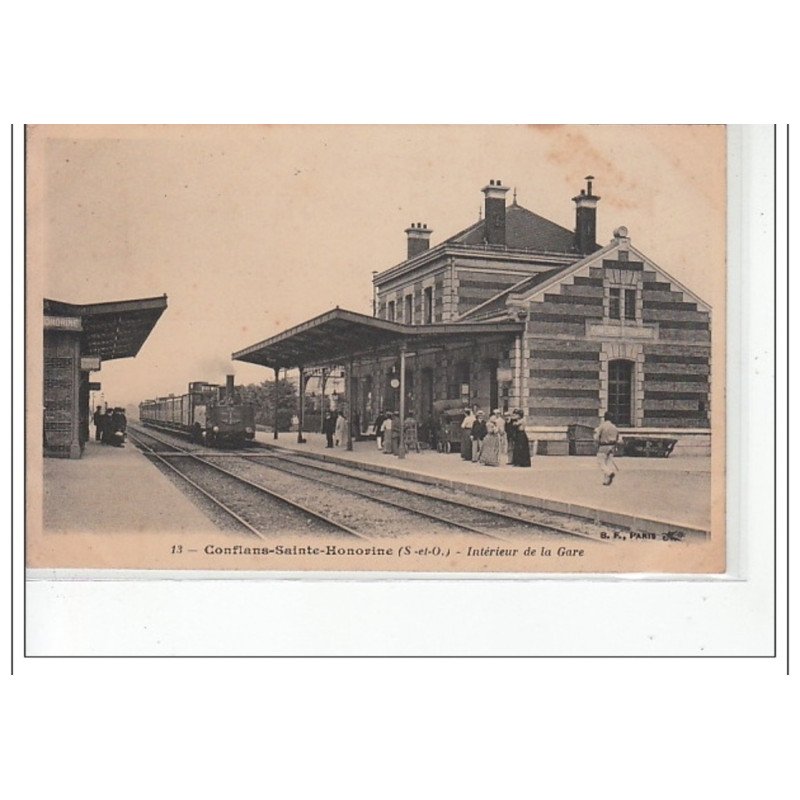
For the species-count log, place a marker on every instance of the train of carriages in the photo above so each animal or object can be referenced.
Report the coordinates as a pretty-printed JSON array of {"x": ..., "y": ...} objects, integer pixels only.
[{"x": 209, "y": 413}]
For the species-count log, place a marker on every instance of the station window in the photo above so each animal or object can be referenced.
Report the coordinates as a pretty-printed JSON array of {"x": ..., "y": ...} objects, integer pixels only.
[
  {"x": 409, "y": 310},
  {"x": 622, "y": 303},
  {"x": 630, "y": 304},
  {"x": 614, "y": 303},
  {"x": 390, "y": 311},
  {"x": 429, "y": 305}
]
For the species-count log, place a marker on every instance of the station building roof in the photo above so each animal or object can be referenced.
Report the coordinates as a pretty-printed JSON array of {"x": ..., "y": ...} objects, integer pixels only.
[
  {"x": 338, "y": 335},
  {"x": 112, "y": 330}
]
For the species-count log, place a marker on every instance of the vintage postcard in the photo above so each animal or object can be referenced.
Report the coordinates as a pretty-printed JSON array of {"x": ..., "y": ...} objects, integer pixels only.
[{"x": 376, "y": 349}]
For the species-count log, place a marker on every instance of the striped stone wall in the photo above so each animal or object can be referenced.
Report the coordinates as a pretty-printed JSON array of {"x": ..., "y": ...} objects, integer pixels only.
[
  {"x": 677, "y": 368},
  {"x": 563, "y": 380},
  {"x": 476, "y": 287},
  {"x": 571, "y": 338}
]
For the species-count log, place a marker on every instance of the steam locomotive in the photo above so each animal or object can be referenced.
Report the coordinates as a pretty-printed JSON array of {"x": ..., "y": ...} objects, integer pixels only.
[{"x": 209, "y": 413}]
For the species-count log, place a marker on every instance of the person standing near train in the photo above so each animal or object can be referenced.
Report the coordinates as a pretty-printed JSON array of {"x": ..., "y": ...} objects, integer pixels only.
[
  {"x": 97, "y": 419},
  {"x": 119, "y": 426},
  {"x": 105, "y": 426}
]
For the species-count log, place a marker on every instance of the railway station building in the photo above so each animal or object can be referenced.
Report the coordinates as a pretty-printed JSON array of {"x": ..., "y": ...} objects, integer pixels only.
[
  {"x": 518, "y": 312},
  {"x": 77, "y": 340}
]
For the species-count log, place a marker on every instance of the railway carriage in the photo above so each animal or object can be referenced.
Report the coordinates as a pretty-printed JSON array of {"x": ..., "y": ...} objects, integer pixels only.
[{"x": 208, "y": 412}]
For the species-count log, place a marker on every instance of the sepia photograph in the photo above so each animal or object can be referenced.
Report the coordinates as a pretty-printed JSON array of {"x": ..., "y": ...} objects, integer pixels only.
[{"x": 486, "y": 349}]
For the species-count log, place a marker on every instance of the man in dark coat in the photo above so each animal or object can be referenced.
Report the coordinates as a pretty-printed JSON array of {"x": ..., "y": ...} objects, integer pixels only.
[
  {"x": 478, "y": 435},
  {"x": 97, "y": 418},
  {"x": 329, "y": 428},
  {"x": 105, "y": 426}
]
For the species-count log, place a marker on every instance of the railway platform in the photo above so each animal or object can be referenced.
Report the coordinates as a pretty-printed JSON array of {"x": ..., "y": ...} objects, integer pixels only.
[
  {"x": 674, "y": 492},
  {"x": 116, "y": 490}
]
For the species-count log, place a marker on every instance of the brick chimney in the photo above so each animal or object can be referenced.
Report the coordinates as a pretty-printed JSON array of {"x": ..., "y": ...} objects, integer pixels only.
[
  {"x": 229, "y": 392},
  {"x": 586, "y": 219},
  {"x": 494, "y": 225},
  {"x": 419, "y": 239}
]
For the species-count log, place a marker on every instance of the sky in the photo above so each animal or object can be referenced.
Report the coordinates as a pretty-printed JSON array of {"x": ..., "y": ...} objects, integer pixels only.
[{"x": 249, "y": 230}]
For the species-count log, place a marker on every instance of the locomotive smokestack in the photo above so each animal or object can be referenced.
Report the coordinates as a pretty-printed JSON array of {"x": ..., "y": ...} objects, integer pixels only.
[{"x": 229, "y": 387}]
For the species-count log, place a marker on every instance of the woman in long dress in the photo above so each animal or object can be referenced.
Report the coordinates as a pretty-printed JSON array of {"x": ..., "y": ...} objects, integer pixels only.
[
  {"x": 466, "y": 435},
  {"x": 490, "y": 452},
  {"x": 522, "y": 449}
]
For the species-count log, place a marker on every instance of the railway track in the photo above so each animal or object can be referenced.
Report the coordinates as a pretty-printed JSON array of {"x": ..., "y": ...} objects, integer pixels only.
[
  {"x": 405, "y": 500},
  {"x": 522, "y": 517},
  {"x": 244, "y": 501}
]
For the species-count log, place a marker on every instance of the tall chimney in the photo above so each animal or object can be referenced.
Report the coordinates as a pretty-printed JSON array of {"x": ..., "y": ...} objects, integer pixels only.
[
  {"x": 494, "y": 224},
  {"x": 586, "y": 219},
  {"x": 229, "y": 388},
  {"x": 419, "y": 239}
]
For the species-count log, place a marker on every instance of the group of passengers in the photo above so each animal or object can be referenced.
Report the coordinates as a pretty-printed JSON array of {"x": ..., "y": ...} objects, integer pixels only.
[
  {"x": 500, "y": 439},
  {"x": 110, "y": 426},
  {"x": 335, "y": 428}
]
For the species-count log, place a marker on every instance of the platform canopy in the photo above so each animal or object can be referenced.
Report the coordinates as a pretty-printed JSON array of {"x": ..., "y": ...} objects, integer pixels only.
[
  {"x": 339, "y": 335},
  {"x": 112, "y": 330}
]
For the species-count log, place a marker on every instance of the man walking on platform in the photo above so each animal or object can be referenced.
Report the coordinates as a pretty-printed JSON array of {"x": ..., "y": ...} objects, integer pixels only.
[{"x": 606, "y": 435}]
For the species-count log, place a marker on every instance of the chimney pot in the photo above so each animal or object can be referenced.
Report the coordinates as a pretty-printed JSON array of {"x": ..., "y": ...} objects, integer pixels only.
[
  {"x": 494, "y": 225},
  {"x": 419, "y": 239},
  {"x": 586, "y": 219}
]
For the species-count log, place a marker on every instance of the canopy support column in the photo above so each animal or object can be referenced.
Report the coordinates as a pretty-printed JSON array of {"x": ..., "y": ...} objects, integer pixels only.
[
  {"x": 301, "y": 412},
  {"x": 401, "y": 452},
  {"x": 322, "y": 407},
  {"x": 350, "y": 399},
  {"x": 275, "y": 428}
]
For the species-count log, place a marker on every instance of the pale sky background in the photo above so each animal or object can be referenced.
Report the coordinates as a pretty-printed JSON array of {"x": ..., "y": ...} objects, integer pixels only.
[{"x": 252, "y": 229}]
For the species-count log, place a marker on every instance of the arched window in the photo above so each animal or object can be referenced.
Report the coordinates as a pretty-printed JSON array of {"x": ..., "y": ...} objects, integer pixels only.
[{"x": 620, "y": 391}]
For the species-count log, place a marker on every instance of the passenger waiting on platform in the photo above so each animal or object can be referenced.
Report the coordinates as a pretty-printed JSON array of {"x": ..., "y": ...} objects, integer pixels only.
[
  {"x": 490, "y": 451},
  {"x": 410, "y": 433},
  {"x": 97, "y": 418},
  {"x": 118, "y": 426},
  {"x": 105, "y": 426},
  {"x": 510, "y": 421},
  {"x": 378, "y": 432},
  {"x": 466, "y": 434},
  {"x": 478, "y": 434},
  {"x": 340, "y": 430},
  {"x": 522, "y": 449},
  {"x": 500, "y": 425},
  {"x": 386, "y": 433},
  {"x": 329, "y": 428}
]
